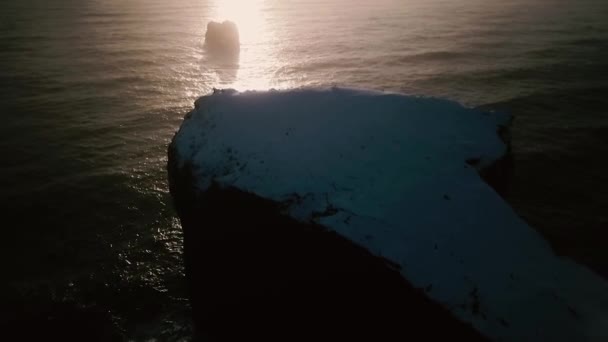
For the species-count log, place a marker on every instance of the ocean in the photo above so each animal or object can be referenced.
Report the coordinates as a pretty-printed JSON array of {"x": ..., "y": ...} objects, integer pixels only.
[{"x": 92, "y": 91}]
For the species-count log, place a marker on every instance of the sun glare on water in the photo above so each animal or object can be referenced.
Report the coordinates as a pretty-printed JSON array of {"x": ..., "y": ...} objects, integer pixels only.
[
  {"x": 247, "y": 15},
  {"x": 257, "y": 59}
]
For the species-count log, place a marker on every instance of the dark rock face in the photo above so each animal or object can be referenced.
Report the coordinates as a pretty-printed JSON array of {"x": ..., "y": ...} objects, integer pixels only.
[
  {"x": 498, "y": 174},
  {"x": 257, "y": 274},
  {"x": 222, "y": 38}
]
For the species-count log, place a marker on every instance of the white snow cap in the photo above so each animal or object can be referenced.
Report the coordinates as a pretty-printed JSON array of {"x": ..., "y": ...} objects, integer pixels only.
[{"x": 388, "y": 172}]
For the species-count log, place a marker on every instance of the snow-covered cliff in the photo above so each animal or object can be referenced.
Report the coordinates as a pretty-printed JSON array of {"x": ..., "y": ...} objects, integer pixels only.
[{"x": 396, "y": 176}]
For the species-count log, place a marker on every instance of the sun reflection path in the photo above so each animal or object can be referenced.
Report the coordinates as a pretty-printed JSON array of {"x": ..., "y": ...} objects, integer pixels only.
[
  {"x": 259, "y": 58},
  {"x": 247, "y": 15}
]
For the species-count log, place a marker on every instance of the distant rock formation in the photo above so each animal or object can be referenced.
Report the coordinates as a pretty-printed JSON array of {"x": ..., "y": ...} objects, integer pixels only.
[{"x": 222, "y": 37}]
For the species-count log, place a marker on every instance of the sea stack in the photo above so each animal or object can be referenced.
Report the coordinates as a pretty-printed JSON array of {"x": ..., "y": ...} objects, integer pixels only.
[
  {"x": 340, "y": 213},
  {"x": 222, "y": 37}
]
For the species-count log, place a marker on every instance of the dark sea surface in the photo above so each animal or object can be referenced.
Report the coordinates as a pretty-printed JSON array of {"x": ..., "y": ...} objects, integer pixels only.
[{"x": 91, "y": 92}]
